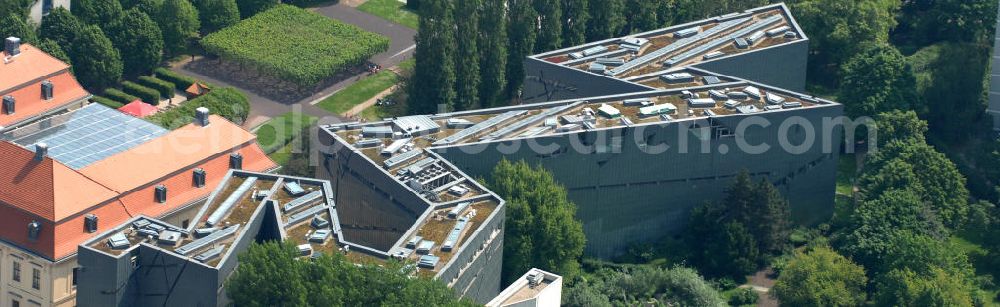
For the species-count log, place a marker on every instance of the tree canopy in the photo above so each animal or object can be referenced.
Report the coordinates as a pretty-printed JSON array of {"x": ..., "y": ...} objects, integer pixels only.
[
  {"x": 60, "y": 26},
  {"x": 877, "y": 79},
  {"x": 96, "y": 63},
  {"x": 638, "y": 285},
  {"x": 838, "y": 29},
  {"x": 178, "y": 20},
  {"x": 15, "y": 25},
  {"x": 217, "y": 14},
  {"x": 821, "y": 277},
  {"x": 433, "y": 86},
  {"x": 541, "y": 227},
  {"x": 139, "y": 41},
  {"x": 270, "y": 274},
  {"x": 97, "y": 12}
]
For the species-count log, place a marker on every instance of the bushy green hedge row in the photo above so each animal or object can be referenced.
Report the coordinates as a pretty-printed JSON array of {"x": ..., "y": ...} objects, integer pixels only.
[
  {"x": 147, "y": 95},
  {"x": 107, "y": 102},
  {"x": 226, "y": 102},
  {"x": 294, "y": 44},
  {"x": 165, "y": 88},
  {"x": 181, "y": 81},
  {"x": 119, "y": 96}
]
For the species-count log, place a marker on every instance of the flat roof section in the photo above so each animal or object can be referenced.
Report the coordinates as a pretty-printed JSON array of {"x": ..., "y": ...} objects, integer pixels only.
[{"x": 91, "y": 134}]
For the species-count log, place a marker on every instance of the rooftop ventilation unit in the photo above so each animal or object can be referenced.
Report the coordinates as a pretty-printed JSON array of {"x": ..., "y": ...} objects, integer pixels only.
[
  {"x": 148, "y": 233},
  {"x": 534, "y": 279},
  {"x": 210, "y": 254},
  {"x": 305, "y": 249},
  {"x": 412, "y": 243},
  {"x": 230, "y": 201},
  {"x": 666, "y": 108},
  {"x": 772, "y": 108},
  {"x": 201, "y": 232},
  {"x": 90, "y": 223},
  {"x": 731, "y": 104},
  {"x": 576, "y": 55},
  {"x": 529, "y": 121},
  {"x": 12, "y": 46},
  {"x": 416, "y": 125},
  {"x": 401, "y": 158},
  {"x": 642, "y": 102},
  {"x": 791, "y": 35},
  {"x": 635, "y": 41},
  {"x": 597, "y": 68},
  {"x": 701, "y": 102},
  {"x": 47, "y": 90},
  {"x": 752, "y": 92},
  {"x": 319, "y": 236},
  {"x": 455, "y": 234},
  {"x": 713, "y": 55},
  {"x": 425, "y": 246},
  {"x": 458, "y": 123},
  {"x": 428, "y": 261},
  {"x": 738, "y": 95},
  {"x": 305, "y": 215},
  {"x": 747, "y": 109},
  {"x": 570, "y": 127},
  {"x": 594, "y": 50},
  {"x": 458, "y": 190},
  {"x": 723, "y": 40},
  {"x": 366, "y": 143},
  {"x": 774, "y": 99},
  {"x": 755, "y": 38},
  {"x": 610, "y": 61},
  {"x": 34, "y": 229},
  {"x": 207, "y": 240},
  {"x": 161, "y": 193},
  {"x": 9, "y": 105},
  {"x": 681, "y": 77},
  {"x": 707, "y": 112},
  {"x": 319, "y": 222},
  {"x": 300, "y": 202},
  {"x": 687, "y": 32},
  {"x": 201, "y": 116},
  {"x": 481, "y": 126},
  {"x": 741, "y": 43},
  {"x": 118, "y": 241},
  {"x": 395, "y": 146},
  {"x": 710, "y": 80},
  {"x": 457, "y": 210},
  {"x": 235, "y": 161},
  {"x": 198, "y": 177},
  {"x": 609, "y": 111},
  {"x": 169, "y": 237},
  {"x": 791, "y": 105},
  {"x": 677, "y": 45},
  {"x": 41, "y": 150},
  {"x": 777, "y": 31},
  {"x": 717, "y": 95},
  {"x": 376, "y": 131},
  {"x": 294, "y": 189}
]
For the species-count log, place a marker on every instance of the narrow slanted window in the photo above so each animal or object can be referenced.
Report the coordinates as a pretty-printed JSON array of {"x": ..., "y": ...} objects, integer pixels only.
[
  {"x": 90, "y": 223},
  {"x": 236, "y": 161},
  {"x": 199, "y": 178},
  {"x": 36, "y": 278},
  {"x": 8, "y": 105},
  {"x": 161, "y": 194},
  {"x": 16, "y": 271},
  {"x": 34, "y": 228},
  {"x": 47, "y": 89}
]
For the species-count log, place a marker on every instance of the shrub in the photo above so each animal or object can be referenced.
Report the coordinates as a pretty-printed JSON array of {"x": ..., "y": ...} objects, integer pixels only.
[
  {"x": 148, "y": 95},
  {"x": 742, "y": 297},
  {"x": 323, "y": 46},
  {"x": 181, "y": 81},
  {"x": 119, "y": 96},
  {"x": 107, "y": 102},
  {"x": 165, "y": 88},
  {"x": 226, "y": 102}
]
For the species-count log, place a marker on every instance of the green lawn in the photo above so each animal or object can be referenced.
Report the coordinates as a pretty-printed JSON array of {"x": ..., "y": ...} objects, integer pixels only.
[
  {"x": 282, "y": 155},
  {"x": 393, "y": 10},
  {"x": 281, "y": 130},
  {"x": 359, "y": 92},
  {"x": 846, "y": 174}
]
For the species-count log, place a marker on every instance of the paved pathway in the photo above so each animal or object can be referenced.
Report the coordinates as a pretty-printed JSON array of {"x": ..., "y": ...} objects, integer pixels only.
[{"x": 263, "y": 109}]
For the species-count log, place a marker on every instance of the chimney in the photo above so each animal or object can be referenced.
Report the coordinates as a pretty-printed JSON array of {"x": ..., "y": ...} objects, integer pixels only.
[
  {"x": 201, "y": 116},
  {"x": 41, "y": 150},
  {"x": 12, "y": 45}
]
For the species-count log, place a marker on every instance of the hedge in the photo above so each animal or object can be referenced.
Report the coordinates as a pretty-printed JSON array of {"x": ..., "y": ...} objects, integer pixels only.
[
  {"x": 165, "y": 88},
  {"x": 107, "y": 102},
  {"x": 148, "y": 95},
  {"x": 226, "y": 102},
  {"x": 181, "y": 81},
  {"x": 119, "y": 96},
  {"x": 294, "y": 44}
]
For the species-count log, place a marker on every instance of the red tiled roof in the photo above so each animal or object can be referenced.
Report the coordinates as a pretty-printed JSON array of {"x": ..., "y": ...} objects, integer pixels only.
[
  {"x": 115, "y": 188},
  {"x": 138, "y": 109},
  {"x": 22, "y": 79}
]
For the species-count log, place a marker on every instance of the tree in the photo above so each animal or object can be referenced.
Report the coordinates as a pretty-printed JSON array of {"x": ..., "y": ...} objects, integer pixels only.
[
  {"x": 16, "y": 7},
  {"x": 467, "y": 54},
  {"x": 433, "y": 86},
  {"x": 896, "y": 174},
  {"x": 179, "y": 23},
  {"x": 770, "y": 219},
  {"x": 720, "y": 247},
  {"x": 899, "y": 125},
  {"x": 97, "y": 12},
  {"x": 642, "y": 285},
  {"x": 150, "y": 7},
  {"x": 955, "y": 95},
  {"x": 575, "y": 15},
  {"x": 541, "y": 228},
  {"x": 821, "y": 277},
  {"x": 876, "y": 80},
  {"x": 642, "y": 16},
  {"x": 493, "y": 52},
  {"x": 217, "y": 14},
  {"x": 550, "y": 25},
  {"x": 521, "y": 33},
  {"x": 607, "y": 18},
  {"x": 96, "y": 63},
  {"x": 252, "y": 7},
  {"x": 272, "y": 274},
  {"x": 906, "y": 288},
  {"x": 53, "y": 49},
  {"x": 138, "y": 40},
  {"x": 60, "y": 26},
  {"x": 16, "y": 26},
  {"x": 838, "y": 29},
  {"x": 876, "y": 223},
  {"x": 943, "y": 187}
]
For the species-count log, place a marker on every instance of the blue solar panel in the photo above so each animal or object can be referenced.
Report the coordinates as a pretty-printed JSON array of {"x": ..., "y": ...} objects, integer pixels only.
[{"x": 91, "y": 134}]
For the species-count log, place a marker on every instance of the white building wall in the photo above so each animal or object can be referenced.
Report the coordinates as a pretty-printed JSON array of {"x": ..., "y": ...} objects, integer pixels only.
[{"x": 36, "y": 13}]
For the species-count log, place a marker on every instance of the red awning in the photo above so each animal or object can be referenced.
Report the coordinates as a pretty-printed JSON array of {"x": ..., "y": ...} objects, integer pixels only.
[{"x": 138, "y": 109}]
